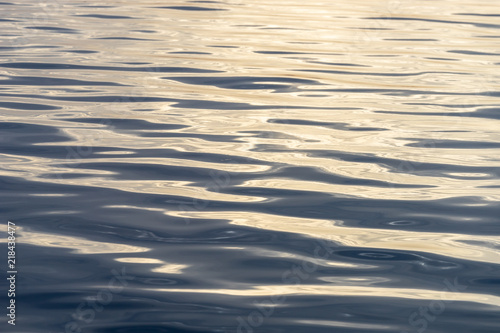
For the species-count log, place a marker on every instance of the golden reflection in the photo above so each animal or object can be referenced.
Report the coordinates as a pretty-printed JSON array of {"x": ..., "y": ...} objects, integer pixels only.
[
  {"x": 75, "y": 244},
  {"x": 360, "y": 291},
  {"x": 183, "y": 189},
  {"x": 170, "y": 268},
  {"x": 261, "y": 252},
  {"x": 165, "y": 267},
  {"x": 348, "y": 324},
  {"x": 445, "y": 244},
  {"x": 140, "y": 260},
  {"x": 440, "y": 189}
]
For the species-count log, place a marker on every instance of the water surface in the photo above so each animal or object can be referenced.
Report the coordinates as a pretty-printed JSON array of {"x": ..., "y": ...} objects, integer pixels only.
[{"x": 252, "y": 166}]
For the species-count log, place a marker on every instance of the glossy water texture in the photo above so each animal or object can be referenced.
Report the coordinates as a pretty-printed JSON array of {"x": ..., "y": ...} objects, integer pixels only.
[{"x": 252, "y": 166}]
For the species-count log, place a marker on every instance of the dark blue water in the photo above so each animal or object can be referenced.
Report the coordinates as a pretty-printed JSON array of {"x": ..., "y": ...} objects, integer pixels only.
[{"x": 251, "y": 166}]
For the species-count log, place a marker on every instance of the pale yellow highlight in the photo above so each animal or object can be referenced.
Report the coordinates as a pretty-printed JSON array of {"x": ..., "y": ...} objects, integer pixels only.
[
  {"x": 445, "y": 244},
  {"x": 77, "y": 244},
  {"x": 167, "y": 268}
]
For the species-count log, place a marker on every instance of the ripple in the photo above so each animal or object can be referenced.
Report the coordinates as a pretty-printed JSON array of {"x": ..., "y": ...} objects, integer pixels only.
[
  {"x": 105, "y": 17},
  {"x": 27, "y": 106},
  {"x": 159, "y": 69},
  {"x": 193, "y": 8},
  {"x": 54, "y": 29},
  {"x": 275, "y": 83},
  {"x": 479, "y": 25}
]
